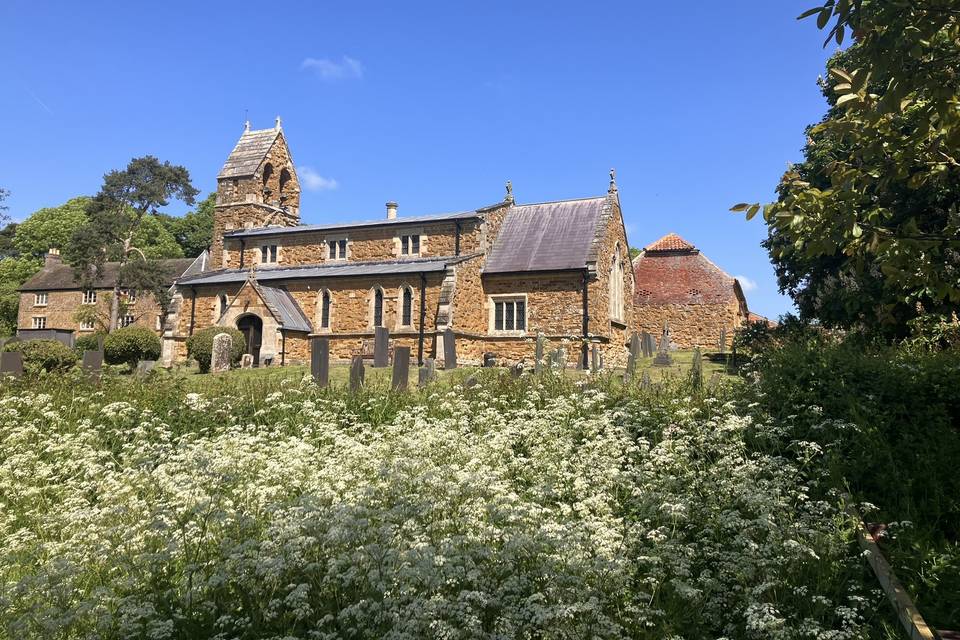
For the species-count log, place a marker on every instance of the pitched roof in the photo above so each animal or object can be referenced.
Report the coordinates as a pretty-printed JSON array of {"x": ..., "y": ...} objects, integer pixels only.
[
  {"x": 60, "y": 276},
  {"x": 335, "y": 270},
  {"x": 548, "y": 236},
  {"x": 251, "y": 149},
  {"x": 285, "y": 309},
  {"x": 673, "y": 271},
  {"x": 383, "y": 222},
  {"x": 670, "y": 242}
]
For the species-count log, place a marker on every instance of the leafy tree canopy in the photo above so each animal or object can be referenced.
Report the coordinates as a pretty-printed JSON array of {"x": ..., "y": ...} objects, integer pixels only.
[
  {"x": 51, "y": 227},
  {"x": 193, "y": 231},
  {"x": 13, "y": 273}
]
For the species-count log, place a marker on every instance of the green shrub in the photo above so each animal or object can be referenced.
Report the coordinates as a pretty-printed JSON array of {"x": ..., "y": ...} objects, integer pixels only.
[
  {"x": 129, "y": 345},
  {"x": 45, "y": 355},
  {"x": 88, "y": 342},
  {"x": 200, "y": 345}
]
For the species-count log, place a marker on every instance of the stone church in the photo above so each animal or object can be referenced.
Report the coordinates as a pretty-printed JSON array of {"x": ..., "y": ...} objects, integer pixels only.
[{"x": 496, "y": 275}]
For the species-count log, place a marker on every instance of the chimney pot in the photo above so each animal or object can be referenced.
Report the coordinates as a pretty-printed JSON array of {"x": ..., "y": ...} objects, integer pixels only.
[
  {"x": 52, "y": 257},
  {"x": 391, "y": 210}
]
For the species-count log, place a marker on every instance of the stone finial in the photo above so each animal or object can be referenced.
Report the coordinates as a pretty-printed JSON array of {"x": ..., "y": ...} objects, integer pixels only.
[
  {"x": 277, "y": 124},
  {"x": 509, "y": 196},
  {"x": 613, "y": 181},
  {"x": 246, "y": 126}
]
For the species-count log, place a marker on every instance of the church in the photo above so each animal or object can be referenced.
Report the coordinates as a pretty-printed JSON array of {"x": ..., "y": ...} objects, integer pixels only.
[{"x": 496, "y": 275}]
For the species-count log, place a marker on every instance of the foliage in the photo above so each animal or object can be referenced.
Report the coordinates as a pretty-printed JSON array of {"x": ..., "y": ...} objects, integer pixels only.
[
  {"x": 88, "y": 342},
  {"x": 513, "y": 508},
  {"x": 43, "y": 355},
  {"x": 4, "y": 194},
  {"x": 866, "y": 229},
  {"x": 51, "y": 227},
  {"x": 200, "y": 345},
  {"x": 7, "y": 248},
  {"x": 193, "y": 231},
  {"x": 127, "y": 205},
  {"x": 129, "y": 345},
  {"x": 634, "y": 252},
  {"x": 13, "y": 273}
]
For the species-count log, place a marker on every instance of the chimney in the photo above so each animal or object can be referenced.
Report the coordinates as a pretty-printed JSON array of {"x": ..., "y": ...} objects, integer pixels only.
[
  {"x": 52, "y": 258},
  {"x": 391, "y": 210}
]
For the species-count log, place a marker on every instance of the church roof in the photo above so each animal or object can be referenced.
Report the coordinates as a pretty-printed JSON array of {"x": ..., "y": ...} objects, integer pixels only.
[
  {"x": 251, "y": 149},
  {"x": 674, "y": 271},
  {"x": 60, "y": 276},
  {"x": 549, "y": 236},
  {"x": 337, "y": 226},
  {"x": 285, "y": 309}
]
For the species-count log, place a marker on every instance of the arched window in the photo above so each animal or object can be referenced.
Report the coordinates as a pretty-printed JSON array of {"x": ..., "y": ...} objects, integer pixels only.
[
  {"x": 284, "y": 180},
  {"x": 616, "y": 286},
  {"x": 267, "y": 174},
  {"x": 406, "y": 307},
  {"x": 325, "y": 310},
  {"x": 378, "y": 307},
  {"x": 222, "y": 304}
]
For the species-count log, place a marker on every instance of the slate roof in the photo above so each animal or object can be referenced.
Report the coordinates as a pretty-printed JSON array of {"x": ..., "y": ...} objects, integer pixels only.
[
  {"x": 251, "y": 149},
  {"x": 286, "y": 310},
  {"x": 336, "y": 270},
  {"x": 549, "y": 236},
  {"x": 673, "y": 271},
  {"x": 383, "y": 222},
  {"x": 60, "y": 277}
]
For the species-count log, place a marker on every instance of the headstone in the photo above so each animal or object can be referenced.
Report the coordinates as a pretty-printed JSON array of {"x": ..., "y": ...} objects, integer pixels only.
[
  {"x": 92, "y": 363},
  {"x": 401, "y": 368},
  {"x": 489, "y": 360},
  {"x": 320, "y": 361},
  {"x": 714, "y": 381},
  {"x": 723, "y": 340},
  {"x": 696, "y": 369},
  {"x": 11, "y": 363},
  {"x": 428, "y": 372},
  {"x": 663, "y": 357},
  {"x": 471, "y": 382},
  {"x": 594, "y": 359},
  {"x": 635, "y": 347},
  {"x": 381, "y": 347},
  {"x": 449, "y": 350},
  {"x": 220, "y": 355},
  {"x": 645, "y": 380},
  {"x": 356, "y": 374},
  {"x": 517, "y": 370},
  {"x": 538, "y": 352},
  {"x": 651, "y": 345},
  {"x": 246, "y": 361},
  {"x": 144, "y": 367},
  {"x": 423, "y": 376},
  {"x": 561, "y": 358},
  {"x": 631, "y": 369}
]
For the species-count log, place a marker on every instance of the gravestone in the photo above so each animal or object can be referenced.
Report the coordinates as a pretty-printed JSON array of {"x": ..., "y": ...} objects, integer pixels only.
[
  {"x": 645, "y": 380},
  {"x": 11, "y": 363},
  {"x": 561, "y": 358},
  {"x": 594, "y": 359},
  {"x": 723, "y": 340},
  {"x": 220, "y": 355},
  {"x": 449, "y": 350},
  {"x": 427, "y": 372},
  {"x": 381, "y": 347},
  {"x": 651, "y": 345},
  {"x": 356, "y": 374},
  {"x": 489, "y": 360},
  {"x": 635, "y": 347},
  {"x": 631, "y": 369},
  {"x": 471, "y": 382},
  {"x": 401, "y": 368},
  {"x": 144, "y": 367},
  {"x": 517, "y": 370},
  {"x": 663, "y": 357},
  {"x": 246, "y": 361},
  {"x": 538, "y": 352},
  {"x": 92, "y": 363},
  {"x": 645, "y": 345},
  {"x": 714, "y": 381},
  {"x": 320, "y": 360},
  {"x": 696, "y": 369}
]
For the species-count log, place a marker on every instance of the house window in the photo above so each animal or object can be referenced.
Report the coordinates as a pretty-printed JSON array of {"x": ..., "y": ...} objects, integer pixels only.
[
  {"x": 509, "y": 314},
  {"x": 337, "y": 249},
  {"x": 90, "y": 297},
  {"x": 378, "y": 307},
  {"x": 406, "y": 307},
  {"x": 268, "y": 254},
  {"x": 126, "y": 321},
  {"x": 131, "y": 296},
  {"x": 616, "y": 286},
  {"x": 325, "y": 310},
  {"x": 86, "y": 325},
  {"x": 40, "y": 299},
  {"x": 410, "y": 245},
  {"x": 39, "y": 322}
]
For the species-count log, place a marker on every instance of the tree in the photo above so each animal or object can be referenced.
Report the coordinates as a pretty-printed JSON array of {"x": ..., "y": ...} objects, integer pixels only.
[
  {"x": 4, "y": 194},
  {"x": 51, "y": 227},
  {"x": 13, "y": 273},
  {"x": 193, "y": 231},
  {"x": 866, "y": 231},
  {"x": 127, "y": 205}
]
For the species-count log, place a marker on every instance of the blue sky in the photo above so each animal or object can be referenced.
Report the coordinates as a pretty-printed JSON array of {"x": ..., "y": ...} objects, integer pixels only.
[{"x": 698, "y": 104}]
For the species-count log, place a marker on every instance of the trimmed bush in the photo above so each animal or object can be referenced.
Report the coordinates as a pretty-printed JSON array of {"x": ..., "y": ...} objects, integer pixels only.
[
  {"x": 129, "y": 345},
  {"x": 88, "y": 342},
  {"x": 44, "y": 355},
  {"x": 200, "y": 346}
]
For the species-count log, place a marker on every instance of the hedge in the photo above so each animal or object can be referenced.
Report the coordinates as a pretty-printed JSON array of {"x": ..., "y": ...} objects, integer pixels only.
[
  {"x": 129, "y": 345},
  {"x": 45, "y": 355}
]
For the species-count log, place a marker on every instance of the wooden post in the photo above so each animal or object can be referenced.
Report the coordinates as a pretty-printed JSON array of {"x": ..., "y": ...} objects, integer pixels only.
[
  {"x": 320, "y": 360},
  {"x": 381, "y": 347},
  {"x": 401, "y": 368}
]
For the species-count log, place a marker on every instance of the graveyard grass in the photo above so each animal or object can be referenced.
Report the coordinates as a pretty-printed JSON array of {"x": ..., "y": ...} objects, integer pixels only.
[{"x": 254, "y": 504}]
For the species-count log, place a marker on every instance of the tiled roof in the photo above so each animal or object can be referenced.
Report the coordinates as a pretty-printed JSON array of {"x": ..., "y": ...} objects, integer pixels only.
[
  {"x": 549, "y": 236},
  {"x": 680, "y": 277},
  {"x": 251, "y": 149},
  {"x": 288, "y": 313},
  {"x": 670, "y": 242},
  {"x": 60, "y": 276},
  {"x": 332, "y": 270},
  {"x": 307, "y": 228}
]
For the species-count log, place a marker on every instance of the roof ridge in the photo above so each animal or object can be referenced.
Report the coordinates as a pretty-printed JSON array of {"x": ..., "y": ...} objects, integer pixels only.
[{"x": 561, "y": 201}]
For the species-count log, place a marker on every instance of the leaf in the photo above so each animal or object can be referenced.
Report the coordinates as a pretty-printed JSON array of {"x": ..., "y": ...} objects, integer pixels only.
[
  {"x": 841, "y": 75},
  {"x": 809, "y": 12},
  {"x": 857, "y": 231},
  {"x": 850, "y": 97},
  {"x": 860, "y": 79},
  {"x": 843, "y": 87},
  {"x": 737, "y": 208},
  {"x": 823, "y": 18},
  {"x": 752, "y": 211}
]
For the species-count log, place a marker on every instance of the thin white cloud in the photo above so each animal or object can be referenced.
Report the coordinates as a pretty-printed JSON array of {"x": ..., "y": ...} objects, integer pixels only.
[
  {"x": 746, "y": 283},
  {"x": 327, "y": 69},
  {"x": 313, "y": 181}
]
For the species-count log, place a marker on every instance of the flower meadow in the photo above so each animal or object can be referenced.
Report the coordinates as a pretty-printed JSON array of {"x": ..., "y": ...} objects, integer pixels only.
[{"x": 531, "y": 508}]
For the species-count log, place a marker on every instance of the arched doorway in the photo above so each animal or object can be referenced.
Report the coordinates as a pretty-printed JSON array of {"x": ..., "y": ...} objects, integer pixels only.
[{"x": 252, "y": 328}]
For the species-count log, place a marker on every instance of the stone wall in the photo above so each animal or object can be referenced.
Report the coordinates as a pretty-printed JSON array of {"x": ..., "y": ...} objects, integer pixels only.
[
  {"x": 691, "y": 325},
  {"x": 616, "y": 331},
  {"x": 63, "y": 305}
]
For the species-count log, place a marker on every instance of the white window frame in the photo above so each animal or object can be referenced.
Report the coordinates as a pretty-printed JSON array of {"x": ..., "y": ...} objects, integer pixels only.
[
  {"x": 89, "y": 297},
  {"x": 87, "y": 325},
  {"x": 131, "y": 295},
  {"x": 342, "y": 248},
  {"x": 127, "y": 320},
  {"x": 40, "y": 299},
  {"x": 508, "y": 298},
  {"x": 39, "y": 322},
  {"x": 407, "y": 244}
]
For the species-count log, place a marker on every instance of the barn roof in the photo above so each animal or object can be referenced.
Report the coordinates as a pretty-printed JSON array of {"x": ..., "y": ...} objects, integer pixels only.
[
  {"x": 251, "y": 149},
  {"x": 673, "y": 271},
  {"x": 60, "y": 276},
  {"x": 549, "y": 236}
]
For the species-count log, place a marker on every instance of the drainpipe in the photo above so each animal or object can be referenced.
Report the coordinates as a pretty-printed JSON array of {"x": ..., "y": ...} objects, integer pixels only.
[
  {"x": 193, "y": 308},
  {"x": 456, "y": 242},
  {"x": 423, "y": 316},
  {"x": 283, "y": 347},
  {"x": 585, "y": 349}
]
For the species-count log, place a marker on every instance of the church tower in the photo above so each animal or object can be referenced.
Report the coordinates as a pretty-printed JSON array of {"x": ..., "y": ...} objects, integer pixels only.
[{"x": 257, "y": 187}]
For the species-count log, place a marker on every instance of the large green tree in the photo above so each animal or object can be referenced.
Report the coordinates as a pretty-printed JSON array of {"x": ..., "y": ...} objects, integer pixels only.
[
  {"x": 194, "y": 230},
  {"x": 866, "y": 231},
  {"x": 127, "y": 204},
  {"x": 51, "y": 227}
]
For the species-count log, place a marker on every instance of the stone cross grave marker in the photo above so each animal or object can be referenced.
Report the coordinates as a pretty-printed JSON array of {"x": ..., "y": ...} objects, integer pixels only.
[
  {"x": 356, "y": 373},
  {"x": 427, "y": 372},
  {"x": 92, "y": 363},
  {"x": 381, "y": 347},
  {"x": 538, "y": 352},
  {"x": 220, "y": 355},
  {"x": 663, "y": 357},
  {"x": 449, "y": 350},
  {"x": 11, "y": 363},
  {"x": 401, "y": 368},
  {"x": 320, "y": 360}
]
